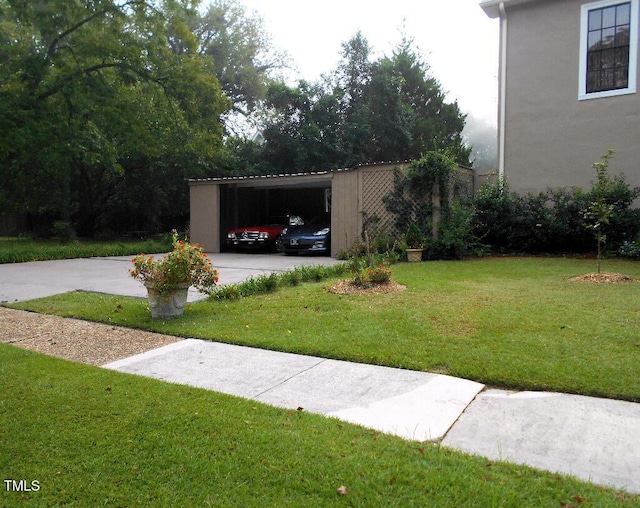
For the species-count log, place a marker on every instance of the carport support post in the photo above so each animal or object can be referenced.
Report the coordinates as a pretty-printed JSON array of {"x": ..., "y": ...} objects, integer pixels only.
[
  {"x": 204, "y": 199},
  {"x": 437, "y": 210}
]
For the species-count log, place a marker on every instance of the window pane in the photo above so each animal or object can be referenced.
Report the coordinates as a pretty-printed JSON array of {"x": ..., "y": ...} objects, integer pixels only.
[
  {"x": 594, "y": 40},
  {"x": 608, "y": 17},
  {"x": 622, "y": 36},
  {"x": 607, "y": 80},
  {"x": 608, "y": 37},
  {"x": 621, "y": 72},
  {"x": 593, "y": 61},
  {"x": 593, "y": 82},
  {"x": 595, "y": 19},
  {"x": 622, "y": 57},
  {"x": 622, "y": 77},
  {"x": 623, "y": 16}
]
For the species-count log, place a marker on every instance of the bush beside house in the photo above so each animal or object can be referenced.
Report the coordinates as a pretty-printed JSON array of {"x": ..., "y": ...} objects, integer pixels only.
[{"x": 496, "y": 220}]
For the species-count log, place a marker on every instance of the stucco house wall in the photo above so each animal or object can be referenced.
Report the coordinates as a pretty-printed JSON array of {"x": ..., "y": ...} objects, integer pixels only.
[{"x": 549, "y": 136}]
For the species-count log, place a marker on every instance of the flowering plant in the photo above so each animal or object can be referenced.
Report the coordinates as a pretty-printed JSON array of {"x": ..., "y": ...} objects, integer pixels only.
[
  {"x": 185, "y": 264},
  {"x": 380, "y": 274},
  {"x": 372, "y": 275}
]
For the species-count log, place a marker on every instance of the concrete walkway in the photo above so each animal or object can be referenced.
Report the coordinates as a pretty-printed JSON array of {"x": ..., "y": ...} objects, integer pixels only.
[{"x": 597, "y": 440}]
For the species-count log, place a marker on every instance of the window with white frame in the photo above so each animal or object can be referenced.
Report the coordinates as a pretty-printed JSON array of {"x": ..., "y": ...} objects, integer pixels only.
[{"x": 608, "y": 48}]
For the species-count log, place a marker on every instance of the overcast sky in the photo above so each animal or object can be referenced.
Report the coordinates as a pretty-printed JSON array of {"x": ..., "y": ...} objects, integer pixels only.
[{"x": 455, "y": 37}]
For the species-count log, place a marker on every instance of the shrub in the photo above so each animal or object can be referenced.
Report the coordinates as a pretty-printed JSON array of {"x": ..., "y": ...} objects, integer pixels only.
[
  {"x": 553, "y": 221},
  {"x": 380, "y": 274},
  {"x": 630, "y": 250},
  {"x": 455, "y": 239},
  {"x": 63, "y": 231},
  {"x": 413, "y": 237}
]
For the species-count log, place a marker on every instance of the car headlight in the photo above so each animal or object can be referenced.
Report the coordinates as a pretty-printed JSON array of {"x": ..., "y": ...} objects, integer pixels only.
[
  {"x": 231, "y": 236},
  {"x": 322, "y": 232},
  {"x": 263, "y": 236}
]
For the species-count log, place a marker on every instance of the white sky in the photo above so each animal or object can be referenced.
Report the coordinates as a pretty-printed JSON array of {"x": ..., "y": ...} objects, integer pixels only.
[{"x": 455, "y": 37}]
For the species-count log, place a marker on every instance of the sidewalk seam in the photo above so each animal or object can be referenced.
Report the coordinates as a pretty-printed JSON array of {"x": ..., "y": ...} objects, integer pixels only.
[
  {"x": 443, "y": 437},
  {"x": 322, "y": 360}
]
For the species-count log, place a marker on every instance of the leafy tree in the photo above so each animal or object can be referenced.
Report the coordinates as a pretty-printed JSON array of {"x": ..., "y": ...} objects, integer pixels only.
[
  {"x": 366, "y": 111},
  {"x": 241, "y": 51},
  {"x": 352, "y": 79},
  {"x": 408, "y": 112},
  {"x": 609, "y": 206},
  {"x": 99, "y": 111},
  {"x": 303, "y": 131}
]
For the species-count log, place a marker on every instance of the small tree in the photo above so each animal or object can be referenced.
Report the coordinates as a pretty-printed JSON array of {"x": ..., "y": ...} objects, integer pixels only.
[{"x": 599, "y": 211}]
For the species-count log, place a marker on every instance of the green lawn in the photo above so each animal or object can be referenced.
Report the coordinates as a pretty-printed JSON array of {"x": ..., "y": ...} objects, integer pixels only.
[
  {"x": 19, "y": 250},
  {"x": 92, "y": 437},
  {"x": 508, "y": 322}
]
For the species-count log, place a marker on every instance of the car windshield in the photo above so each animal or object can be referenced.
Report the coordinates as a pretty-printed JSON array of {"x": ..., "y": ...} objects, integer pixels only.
[
  {"x": 286, "y": 220},
  {"x": 320, "y": 220}
]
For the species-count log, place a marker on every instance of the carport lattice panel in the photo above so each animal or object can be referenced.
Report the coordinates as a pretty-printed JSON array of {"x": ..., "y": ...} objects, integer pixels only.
[{"x": 376, "y": 184}]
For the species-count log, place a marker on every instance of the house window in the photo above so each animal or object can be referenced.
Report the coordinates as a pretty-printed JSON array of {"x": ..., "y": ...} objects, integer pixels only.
[{"x": 608, "y": 48}]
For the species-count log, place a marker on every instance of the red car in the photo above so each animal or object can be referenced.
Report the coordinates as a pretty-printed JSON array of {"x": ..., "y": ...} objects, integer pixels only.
[{"x": 261, "y": 237}]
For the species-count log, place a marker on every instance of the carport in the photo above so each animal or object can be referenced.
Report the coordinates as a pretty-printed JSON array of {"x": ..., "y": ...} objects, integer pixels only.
[
  {"x": 252, "y": 202},
  {"x": 220, "y": 204}
]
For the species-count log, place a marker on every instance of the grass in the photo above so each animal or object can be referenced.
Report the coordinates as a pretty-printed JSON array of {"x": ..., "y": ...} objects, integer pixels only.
[
  {"x": 516, "y": 323},
  {"x": 93, "y": 437},
  {"x": 19, "y": 250}
]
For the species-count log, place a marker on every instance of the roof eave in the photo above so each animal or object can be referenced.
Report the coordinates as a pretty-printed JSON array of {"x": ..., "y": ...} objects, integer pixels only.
[{"x": 492, "y": 7}]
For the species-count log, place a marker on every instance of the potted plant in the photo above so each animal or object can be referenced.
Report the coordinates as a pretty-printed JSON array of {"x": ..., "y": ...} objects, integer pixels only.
[
  {"x": 168, "y": 279},
  {"x": 415, "y": 243}
]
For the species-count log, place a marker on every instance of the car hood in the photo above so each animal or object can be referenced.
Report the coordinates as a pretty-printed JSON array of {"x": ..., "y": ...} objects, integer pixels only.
[
  {"x": 271, "y": 229},
  {"x": 305, "y": 229}
]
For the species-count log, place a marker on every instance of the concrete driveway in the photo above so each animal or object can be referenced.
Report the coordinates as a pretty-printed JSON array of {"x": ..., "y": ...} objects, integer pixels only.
[{"x": 25, "y": 281}]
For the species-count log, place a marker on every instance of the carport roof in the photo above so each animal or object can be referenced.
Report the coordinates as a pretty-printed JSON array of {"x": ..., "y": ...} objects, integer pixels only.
[
  {"x": 294, "y": 178},
  {"x": 228, "y": 179}
]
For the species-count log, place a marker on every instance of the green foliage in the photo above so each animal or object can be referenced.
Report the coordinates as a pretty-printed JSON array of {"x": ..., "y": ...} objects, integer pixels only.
[
  {"x": 101, "y": 123},
  {"x": 367, "y": 266},
  {"x": 268, "y": 283},
  {"x": 599, "y": 210},
  {"x": 555, "y": 221},
  {"x": 185, "y": 264},
  {"x": 630, "y": 250},
  {"x": 388, "y": 109},
  {"x": 446, "y": 231},
  {"x": 455, "y": 236},
  {"x": 20, "y": 250},
  {"x": 302, "y": 133},
  {"x": 63, "y": 231},
  {"x": 380, "y": 274},
  {"x": 413, "y": 237},
  {"x": 240, "y": 50}
]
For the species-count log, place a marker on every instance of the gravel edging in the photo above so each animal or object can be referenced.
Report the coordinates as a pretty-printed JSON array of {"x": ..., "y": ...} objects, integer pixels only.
[{"x": 74, "y": 339}]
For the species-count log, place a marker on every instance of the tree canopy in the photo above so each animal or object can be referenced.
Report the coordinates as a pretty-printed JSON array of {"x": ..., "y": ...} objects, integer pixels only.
[
  {"x": 109, "y": 106},
  {"x": 366, "y": 111},
  {"x": 99, "y": 113},
  {"x": 241, "y": 52}
]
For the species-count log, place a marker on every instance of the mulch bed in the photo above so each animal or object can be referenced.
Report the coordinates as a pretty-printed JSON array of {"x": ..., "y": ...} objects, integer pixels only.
[
  {"x": 347, "y": 287},
  {"x": 604, "y": 278}
]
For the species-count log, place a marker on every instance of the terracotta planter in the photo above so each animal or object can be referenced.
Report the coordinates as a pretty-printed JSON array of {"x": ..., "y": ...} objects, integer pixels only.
[
  {"x": 167, "y": 305},
  {"x": 414, "y": 255}
]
